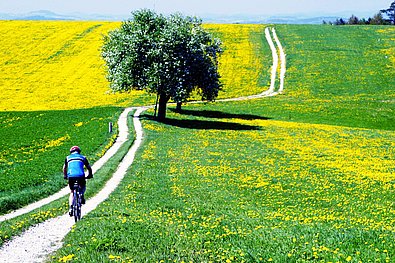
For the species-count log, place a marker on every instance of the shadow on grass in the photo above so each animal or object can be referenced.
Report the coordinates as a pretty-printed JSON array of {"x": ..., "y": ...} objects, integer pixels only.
[
  {"x": 210, "y": 125},
  {"x": 219, "y": 114}
]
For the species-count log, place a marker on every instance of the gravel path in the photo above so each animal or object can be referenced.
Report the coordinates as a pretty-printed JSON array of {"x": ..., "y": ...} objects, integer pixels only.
[
  {"x": 121, "y": 139},
  {"x": 271, "y": 91},
  {"x": 39, "y": 241},
  {"x": 283, "y": 66}
]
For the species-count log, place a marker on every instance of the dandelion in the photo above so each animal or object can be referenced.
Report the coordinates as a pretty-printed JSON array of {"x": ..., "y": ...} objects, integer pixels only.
[
  {"x": 79, "y": 124},
  {"x": 66, "y": 258},
  {"x": 113, "y": 257}
]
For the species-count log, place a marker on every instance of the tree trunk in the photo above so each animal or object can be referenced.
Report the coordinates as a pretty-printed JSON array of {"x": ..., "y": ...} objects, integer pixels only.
[
  {"x": 163, "y": 99},
  {"x": 178, "y": 107}
]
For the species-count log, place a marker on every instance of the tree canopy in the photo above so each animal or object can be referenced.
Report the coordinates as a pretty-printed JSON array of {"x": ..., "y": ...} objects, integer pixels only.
[
  {"x": 390, "y": 12},
  {"x": 167, "y": 56}
]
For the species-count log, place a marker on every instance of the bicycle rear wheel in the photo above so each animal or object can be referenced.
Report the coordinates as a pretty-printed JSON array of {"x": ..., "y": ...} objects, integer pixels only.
[
  {"x": 79, "y": 206},
  {"x": 76, "y": 206}
]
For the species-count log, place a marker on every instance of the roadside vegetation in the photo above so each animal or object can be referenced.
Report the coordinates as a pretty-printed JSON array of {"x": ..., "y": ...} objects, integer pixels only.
[{"x": 306, "y": 176}]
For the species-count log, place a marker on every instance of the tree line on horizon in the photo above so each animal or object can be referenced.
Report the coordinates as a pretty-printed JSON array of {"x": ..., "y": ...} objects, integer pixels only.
[{"x": 377, "y": 19}]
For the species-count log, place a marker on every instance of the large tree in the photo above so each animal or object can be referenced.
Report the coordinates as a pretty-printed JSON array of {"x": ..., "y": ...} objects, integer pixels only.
[
  {"x": 390, "y": 12},
  {"x": 168, "y": 56}
]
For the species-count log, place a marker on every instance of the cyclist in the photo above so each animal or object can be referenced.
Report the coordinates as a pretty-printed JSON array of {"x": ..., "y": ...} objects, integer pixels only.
[{"x": 73, "y": 170}]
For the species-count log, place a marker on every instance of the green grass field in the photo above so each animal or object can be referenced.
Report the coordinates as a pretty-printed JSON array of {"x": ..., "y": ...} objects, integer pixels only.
[
  {"x": 307, "y": 176},
  {"x": 338, "y": 75},
  {"x": 35, "y": 144},
  {"x": 12, "y": 227}
]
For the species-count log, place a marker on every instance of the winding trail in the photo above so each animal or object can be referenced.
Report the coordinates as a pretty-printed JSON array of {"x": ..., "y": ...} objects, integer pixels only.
[
  {"x": 123, "y": 135},
  {"x": 40, "y": 241}
]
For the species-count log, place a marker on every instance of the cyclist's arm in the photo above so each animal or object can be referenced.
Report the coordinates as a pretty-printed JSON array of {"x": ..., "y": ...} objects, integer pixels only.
[
  {"x": 65, "y": 169},
  {"x": 87, "y": 165}
]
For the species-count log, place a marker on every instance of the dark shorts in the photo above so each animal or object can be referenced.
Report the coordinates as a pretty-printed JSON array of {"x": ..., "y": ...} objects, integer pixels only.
[{"x": 81, "y": 181}]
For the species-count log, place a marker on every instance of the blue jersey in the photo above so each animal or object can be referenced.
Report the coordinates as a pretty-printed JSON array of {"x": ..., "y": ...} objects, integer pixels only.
[{"x": 75, "y": 165}]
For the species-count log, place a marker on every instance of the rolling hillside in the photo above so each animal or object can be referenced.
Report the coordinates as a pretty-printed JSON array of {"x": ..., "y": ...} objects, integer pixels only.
[{"x": 306, "y": 176}]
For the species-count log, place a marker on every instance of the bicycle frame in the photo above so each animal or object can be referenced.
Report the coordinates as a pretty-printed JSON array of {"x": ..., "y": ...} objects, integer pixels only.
[{"x": 76, "y": 205}]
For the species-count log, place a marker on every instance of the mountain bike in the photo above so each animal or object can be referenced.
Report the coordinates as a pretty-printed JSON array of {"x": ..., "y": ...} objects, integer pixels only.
[{"x": 77, "y": 201}]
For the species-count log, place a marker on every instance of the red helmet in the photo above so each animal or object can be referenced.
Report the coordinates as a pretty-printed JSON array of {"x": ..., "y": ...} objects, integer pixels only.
[{"x": 75, "y": 149}]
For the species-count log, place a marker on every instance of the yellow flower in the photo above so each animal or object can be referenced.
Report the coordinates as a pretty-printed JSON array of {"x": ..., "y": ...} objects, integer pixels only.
[{"x": 66, "y": 258}]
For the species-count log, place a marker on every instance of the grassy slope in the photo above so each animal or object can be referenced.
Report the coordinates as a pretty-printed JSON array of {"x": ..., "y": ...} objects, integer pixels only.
[
  {"x": 338, "y": 75},
  {"x": 53, "y": 95},
  {"x": 35, "y": 144},
  {"x": 56, "y": 65},
  {"x": 17, "y": 225},
  {"x": 44, "y": 77},
  {"x": 302, "y": 177}
]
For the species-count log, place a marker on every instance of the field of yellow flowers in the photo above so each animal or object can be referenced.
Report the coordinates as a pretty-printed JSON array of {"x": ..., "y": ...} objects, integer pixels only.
[
  {"x": 307, "y": 176},
  {"x": 54, "y": 65},
  {"x": 240, "y": 66},
  {"x": 57, "y": 65},
  {"x": 54, "y": 95}
]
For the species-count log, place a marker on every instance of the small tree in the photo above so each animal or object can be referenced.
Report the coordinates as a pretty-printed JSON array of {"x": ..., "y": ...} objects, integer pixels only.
[
  {"x": 390, "y": 12},
  {"x": 339, "y": 22},
  {"x": 168, "y": 56},
  {"x": 377, "y": 19},
  {"x": 353, "y": 20}
]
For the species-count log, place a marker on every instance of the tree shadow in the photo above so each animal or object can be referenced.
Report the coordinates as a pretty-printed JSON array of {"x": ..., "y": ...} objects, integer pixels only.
[
  {"x": 209, "y": 125},
  {"x": 219, "y": 114}
]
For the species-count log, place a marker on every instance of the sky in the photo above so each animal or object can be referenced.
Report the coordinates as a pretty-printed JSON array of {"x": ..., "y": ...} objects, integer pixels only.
[{"x": 198, "y": 7}]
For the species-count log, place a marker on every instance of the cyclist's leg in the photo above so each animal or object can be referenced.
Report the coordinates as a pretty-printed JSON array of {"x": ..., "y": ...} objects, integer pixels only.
[
  {"x": 71, "y": 198},
  {"x": 82, "y": 183},
  {"x": 71, "y": 186}
]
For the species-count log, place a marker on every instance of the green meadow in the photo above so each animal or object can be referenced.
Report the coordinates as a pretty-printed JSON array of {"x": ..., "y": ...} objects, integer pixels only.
[
  {"x": 35, "y": 144},
  {"x": 306, "y": 176}
]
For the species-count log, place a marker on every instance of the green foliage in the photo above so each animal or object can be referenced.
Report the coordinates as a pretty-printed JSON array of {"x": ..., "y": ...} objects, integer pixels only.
[
  {"x": 390, "y": 12},
  {"x": 377, "y": 19},
  {"x": 170, "y": 57},
  {"x": 34, "y": 147}
]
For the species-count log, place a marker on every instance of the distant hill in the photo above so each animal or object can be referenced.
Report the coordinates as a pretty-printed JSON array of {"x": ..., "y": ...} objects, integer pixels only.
[
  {"x": 37, "y": 15},
  {"x": 242, "y": 19},
  {"x": 48, "y": 15}
]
